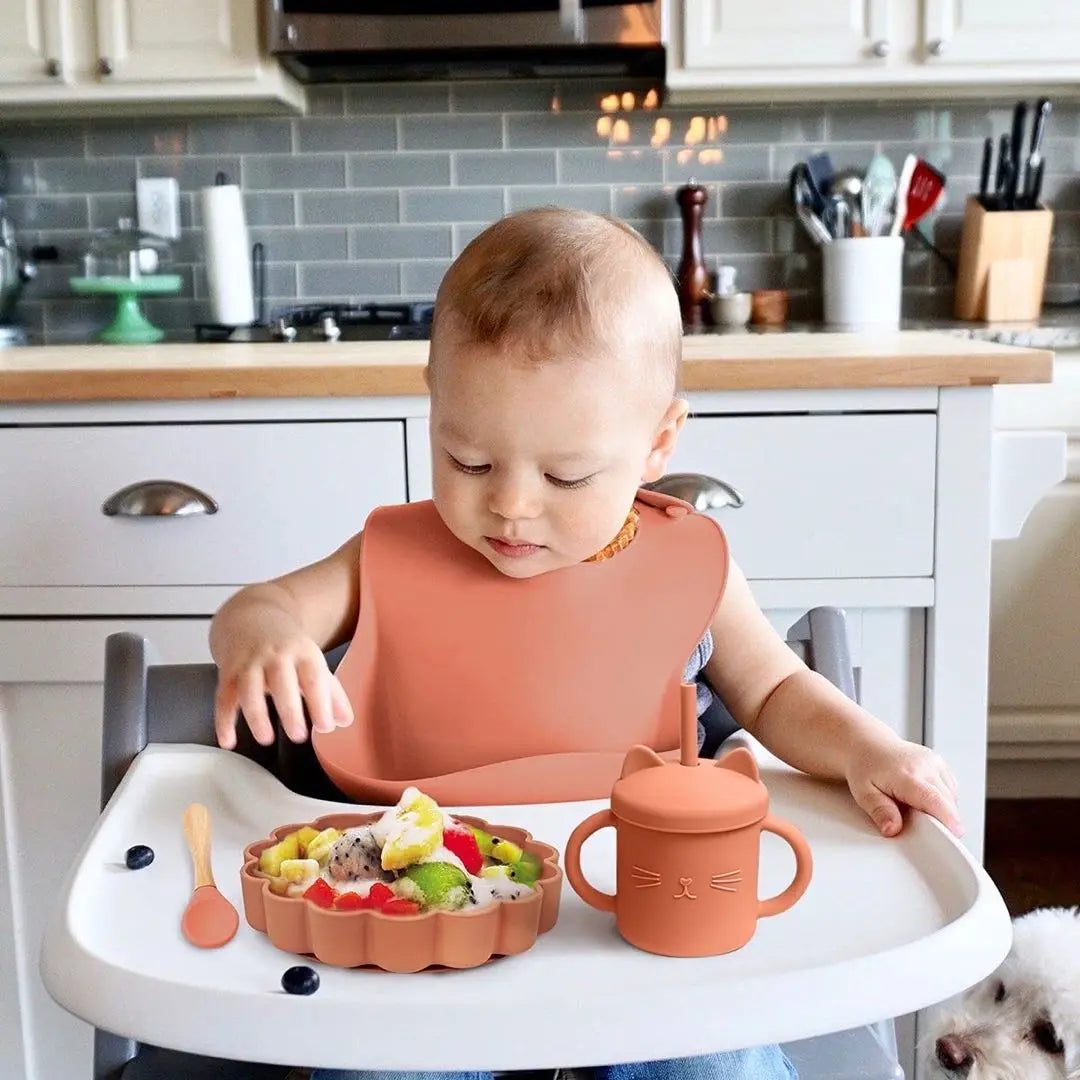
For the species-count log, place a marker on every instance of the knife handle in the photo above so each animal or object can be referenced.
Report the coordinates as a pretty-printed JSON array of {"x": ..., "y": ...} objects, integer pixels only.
[
  {"x": 1038, "y": 128},
  {"x": 984, "y": 173}
]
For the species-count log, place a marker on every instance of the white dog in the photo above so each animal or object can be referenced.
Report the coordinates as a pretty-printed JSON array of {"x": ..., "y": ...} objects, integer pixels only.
[{"x": 1022, "y": 1022}]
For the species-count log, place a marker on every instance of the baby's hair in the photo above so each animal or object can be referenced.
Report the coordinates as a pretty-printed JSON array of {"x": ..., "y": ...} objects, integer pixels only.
[{"x": 553, "y": 282}]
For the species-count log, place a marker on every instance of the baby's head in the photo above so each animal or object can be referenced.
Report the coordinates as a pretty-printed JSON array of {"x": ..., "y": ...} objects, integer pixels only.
[{"x": 554, "y": 354}]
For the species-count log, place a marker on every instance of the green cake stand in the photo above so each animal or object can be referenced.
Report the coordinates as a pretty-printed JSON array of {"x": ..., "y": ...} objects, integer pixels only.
[{"x": 129, "y": 325}]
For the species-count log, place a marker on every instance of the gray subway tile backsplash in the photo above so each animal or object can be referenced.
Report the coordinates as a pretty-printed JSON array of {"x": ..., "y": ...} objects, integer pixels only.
[
  {"x": 346, "y": 207},
  {"x": 403, "y": 169},
  {"x": 373, "y": 191},
  {"x": 482, "y": 167},
  {"x": 452, "y": 204}
]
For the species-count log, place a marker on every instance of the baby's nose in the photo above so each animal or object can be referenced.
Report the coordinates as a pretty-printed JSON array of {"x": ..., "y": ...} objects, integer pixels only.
[
  {"x": 513, "y": 501},
  {"x": 953, "y": 1055}
]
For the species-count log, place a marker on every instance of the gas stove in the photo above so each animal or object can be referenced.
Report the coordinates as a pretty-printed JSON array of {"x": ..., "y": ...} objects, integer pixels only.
[{"x": 404, "y": 320}]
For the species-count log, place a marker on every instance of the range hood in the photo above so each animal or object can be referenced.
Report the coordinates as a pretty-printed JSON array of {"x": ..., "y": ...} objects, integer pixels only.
[{"x": 341, "y": 41}]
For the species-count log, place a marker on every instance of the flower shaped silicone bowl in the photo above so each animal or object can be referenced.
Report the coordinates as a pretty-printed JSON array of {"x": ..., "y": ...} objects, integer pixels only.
[{"x": 359, "y": 938}]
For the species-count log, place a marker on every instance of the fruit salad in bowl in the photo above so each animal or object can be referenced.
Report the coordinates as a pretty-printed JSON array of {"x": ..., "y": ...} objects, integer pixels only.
[{"x": 410, "y": 888}]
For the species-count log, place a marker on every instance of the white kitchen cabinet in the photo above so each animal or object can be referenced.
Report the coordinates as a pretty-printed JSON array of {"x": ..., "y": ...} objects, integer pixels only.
[
  {"x": 781, "y": 34},
  {"x": 143, "y": 40},
  {"x": 773, "y": 49},
  {"x": 32, "y": 42},
  {"x": 997, "y": 32},
  {"x": 134, "y": 55},
  {"x": 50, "y": 753}
]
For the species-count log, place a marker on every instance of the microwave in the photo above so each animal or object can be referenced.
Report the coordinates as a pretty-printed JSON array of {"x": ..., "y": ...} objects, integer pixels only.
[{"x": 325, "y": 41}]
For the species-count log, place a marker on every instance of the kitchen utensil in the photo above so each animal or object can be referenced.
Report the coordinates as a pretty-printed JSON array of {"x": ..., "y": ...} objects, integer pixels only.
[
  {"x": 732, "y": 309},
  {"x": 802, "y": 198},
  {"x": 925, "y": 191},
  {"x": 819, "y": 168},
  {"x": 1016, "y": 143},
  {"x": 209, "y": 920},
  {"x": 984, "y": 171},
  {"x": 902, "y": 186},
  {"x": 879, "y": 191},
  {"x": 861, "y": 281},
  {"x": 1033, "y": 175},
  {"x": 693, "y": 277},
  {"x": 848, "y": 184},
  {"x": 687, "y": 849},
  {"x": 837, "y": 216}
]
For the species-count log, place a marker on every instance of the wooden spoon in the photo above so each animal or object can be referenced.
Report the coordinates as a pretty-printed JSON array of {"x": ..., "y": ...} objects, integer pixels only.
[{"x": 209, "y": 919}]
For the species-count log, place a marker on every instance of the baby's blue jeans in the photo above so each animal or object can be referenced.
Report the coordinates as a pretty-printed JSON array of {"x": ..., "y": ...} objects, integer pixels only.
[{"x": 760, "y": 1063}]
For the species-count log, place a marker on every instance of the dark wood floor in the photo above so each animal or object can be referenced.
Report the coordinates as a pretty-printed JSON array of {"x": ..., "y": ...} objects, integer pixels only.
[{"x": 1033, "y": 851}]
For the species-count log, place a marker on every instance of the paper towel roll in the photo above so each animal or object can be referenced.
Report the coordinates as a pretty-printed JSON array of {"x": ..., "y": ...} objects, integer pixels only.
[{"x": 227, "y": 255}]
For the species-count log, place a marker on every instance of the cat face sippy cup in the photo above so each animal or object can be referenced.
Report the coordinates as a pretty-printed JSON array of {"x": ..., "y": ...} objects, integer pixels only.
[{"x": 688, "y": 840}]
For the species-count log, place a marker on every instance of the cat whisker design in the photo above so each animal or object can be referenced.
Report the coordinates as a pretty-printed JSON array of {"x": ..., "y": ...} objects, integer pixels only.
[
  {"x": 726, "y": 882},
  {"x": 645, "y": 879}
]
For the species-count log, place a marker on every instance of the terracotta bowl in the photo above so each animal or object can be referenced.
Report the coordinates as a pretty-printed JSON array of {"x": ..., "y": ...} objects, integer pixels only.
[{"x": 367, "y": 938}]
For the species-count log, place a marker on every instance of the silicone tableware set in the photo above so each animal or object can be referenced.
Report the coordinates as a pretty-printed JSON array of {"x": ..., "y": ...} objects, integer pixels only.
[{"x": 688, "y": 838}]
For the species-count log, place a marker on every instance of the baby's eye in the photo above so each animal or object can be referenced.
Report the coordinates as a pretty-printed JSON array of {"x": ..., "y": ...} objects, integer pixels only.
[
  {"x": 569, "y": 484},
  {"x": 470, "y": 470},
  {"x": 999, "y": 993}
]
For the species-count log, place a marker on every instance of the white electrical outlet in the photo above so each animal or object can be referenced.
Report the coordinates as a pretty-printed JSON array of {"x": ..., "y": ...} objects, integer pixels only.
[{"x": 157, "y": 202}]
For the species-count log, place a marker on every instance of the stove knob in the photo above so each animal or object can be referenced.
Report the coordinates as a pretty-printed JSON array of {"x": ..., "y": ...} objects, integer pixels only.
[
  {"x": 284, "y": 330},
  {"x": 330, "y": 329}
]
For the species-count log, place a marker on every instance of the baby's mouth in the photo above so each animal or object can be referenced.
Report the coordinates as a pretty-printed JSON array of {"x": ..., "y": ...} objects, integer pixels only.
[{"x": 512, "y": 548}]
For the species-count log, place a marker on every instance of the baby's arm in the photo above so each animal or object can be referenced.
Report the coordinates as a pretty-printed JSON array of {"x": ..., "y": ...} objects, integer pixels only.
[
  {"x": 806, "y": 721},
  {"x": 269, "y": 639}
]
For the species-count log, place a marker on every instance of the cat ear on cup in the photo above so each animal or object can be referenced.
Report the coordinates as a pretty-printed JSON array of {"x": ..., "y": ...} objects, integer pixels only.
[
  {"x": 638, "y": 758},
  {"x": 739, "y": 760}
]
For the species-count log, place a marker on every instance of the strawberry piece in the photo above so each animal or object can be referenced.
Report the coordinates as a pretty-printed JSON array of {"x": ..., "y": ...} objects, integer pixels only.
[
  {"x": 350, "y": 901},
  {"x": 462, "y": 843},
  {"x": 400, "y": 906},
  {"x": 380, "y": 895},
  {"x": 320, "y": 892}
]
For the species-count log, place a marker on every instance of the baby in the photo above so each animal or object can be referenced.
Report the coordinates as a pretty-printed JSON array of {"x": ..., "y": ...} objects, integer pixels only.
[{"x": 554, "y": 357}]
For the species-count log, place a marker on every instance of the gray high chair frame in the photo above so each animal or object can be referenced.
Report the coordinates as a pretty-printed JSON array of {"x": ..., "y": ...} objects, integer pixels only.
[{"x": 148, "y": 702}]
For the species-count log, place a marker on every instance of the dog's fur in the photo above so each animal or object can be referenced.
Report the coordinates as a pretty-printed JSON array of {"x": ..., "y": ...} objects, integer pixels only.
[{"x": 1023, "y": 1021}]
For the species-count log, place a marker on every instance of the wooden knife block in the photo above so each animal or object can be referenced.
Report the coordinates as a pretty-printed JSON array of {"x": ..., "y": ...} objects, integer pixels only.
[{"x": 1002, "y": 270}]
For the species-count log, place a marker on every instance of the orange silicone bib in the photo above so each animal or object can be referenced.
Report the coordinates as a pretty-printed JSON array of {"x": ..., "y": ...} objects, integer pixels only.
[{"x": 484, "y": 689}]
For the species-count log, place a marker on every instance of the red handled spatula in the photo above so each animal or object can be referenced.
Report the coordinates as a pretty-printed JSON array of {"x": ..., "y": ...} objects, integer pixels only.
[
  {"x": 920, "y": 189},
  {"x": 209, "y": 920}
]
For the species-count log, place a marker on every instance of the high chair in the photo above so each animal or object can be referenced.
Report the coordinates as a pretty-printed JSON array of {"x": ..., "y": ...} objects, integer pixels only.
[{"x": 148, "y": 704}]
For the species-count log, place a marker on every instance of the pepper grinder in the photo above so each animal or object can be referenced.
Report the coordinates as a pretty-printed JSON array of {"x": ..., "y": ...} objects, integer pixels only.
[{"x": 693, "y": 277}]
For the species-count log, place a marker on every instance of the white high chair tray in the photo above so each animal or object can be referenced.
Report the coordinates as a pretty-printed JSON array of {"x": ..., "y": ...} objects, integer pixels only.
[{"x": 886, "y": 927}]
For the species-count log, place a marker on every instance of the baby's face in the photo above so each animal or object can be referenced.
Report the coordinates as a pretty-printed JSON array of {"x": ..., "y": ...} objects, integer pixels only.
[{"x": 536, "y": 467}]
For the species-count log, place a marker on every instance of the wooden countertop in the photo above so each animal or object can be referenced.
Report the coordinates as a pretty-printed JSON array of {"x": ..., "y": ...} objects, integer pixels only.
[{"x": 368, "y": 369}]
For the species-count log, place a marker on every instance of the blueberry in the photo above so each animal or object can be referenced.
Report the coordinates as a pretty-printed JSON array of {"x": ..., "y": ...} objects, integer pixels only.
[
  {"x": 300, "y": 980},
  {"x": 139, "y": 856}
]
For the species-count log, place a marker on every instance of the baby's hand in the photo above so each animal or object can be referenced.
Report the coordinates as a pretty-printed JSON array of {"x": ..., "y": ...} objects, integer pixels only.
[
  {"x": 292, "y": 671},
  {"x": 885, "y": 773}
]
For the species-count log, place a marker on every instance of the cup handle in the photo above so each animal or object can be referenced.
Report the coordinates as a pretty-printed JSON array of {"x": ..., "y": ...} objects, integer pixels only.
[
  {"x": 602, "y": 901},
  {"x": 804, "y": 866}
]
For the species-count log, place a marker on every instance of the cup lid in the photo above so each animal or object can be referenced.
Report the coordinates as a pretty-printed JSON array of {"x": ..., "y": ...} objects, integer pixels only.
[{"x": 709, "y": 796}]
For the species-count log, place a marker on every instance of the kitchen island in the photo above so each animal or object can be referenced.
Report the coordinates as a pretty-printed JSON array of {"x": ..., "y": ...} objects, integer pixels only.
[{"x": 869, "y": 470}]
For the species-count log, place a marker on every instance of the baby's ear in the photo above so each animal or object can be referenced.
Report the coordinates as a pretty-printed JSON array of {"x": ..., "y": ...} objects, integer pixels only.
[
  {"x": 638, "y": 758},
  {"x": 740, "y": 760},
  {"x": 664, "y": 439}
]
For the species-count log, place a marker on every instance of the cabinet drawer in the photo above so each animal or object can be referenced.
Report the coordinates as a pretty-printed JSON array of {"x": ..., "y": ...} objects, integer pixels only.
[
  {"x": 287, "y": 493},
  {"x": 825, "y": 496}
]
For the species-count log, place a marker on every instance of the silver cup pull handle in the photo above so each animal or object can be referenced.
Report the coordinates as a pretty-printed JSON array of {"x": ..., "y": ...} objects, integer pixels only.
[
  {"x": 700, "y": 491},
  {"x": 158, "y": 498}
]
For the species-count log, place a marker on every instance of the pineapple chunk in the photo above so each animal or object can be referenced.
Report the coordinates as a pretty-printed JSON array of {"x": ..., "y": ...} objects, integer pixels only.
[
  {"x": 319, "y": 845},
  {"x": 305, "y": 836},
  {"x": 271, "y": 859},
  {"x": 412, "y": 830},
  {"x": 298, "y": 870}
]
